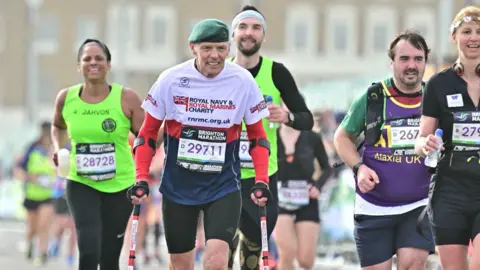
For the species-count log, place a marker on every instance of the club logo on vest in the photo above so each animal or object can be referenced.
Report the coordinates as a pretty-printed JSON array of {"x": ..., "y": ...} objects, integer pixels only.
[{"x": 109, "y": 125}]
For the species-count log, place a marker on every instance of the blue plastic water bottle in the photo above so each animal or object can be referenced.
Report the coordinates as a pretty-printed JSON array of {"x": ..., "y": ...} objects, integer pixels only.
[
  {"x": 269, "y": 101},
  {"x": 58, "y": 190}
]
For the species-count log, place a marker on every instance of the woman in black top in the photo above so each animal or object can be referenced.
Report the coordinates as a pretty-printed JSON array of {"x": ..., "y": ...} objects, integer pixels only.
[
  {"x": 298, "y": 195},
  {"x": 451, "y": 102}
]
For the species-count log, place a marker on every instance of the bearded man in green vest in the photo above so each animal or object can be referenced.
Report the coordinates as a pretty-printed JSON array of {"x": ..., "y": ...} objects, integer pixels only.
[{"x": 277, "y": 84}]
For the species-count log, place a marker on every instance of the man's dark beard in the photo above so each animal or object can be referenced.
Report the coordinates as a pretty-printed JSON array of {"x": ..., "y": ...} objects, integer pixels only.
[
  {"x": 412, "y": 70},
  {"x": 251, "y": 51}
]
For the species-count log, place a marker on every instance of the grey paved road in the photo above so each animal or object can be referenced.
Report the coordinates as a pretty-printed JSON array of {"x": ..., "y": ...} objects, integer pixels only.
[{"x": 12, "y": 248}]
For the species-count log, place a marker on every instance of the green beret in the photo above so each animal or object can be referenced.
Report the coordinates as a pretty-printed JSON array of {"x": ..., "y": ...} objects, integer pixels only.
[{"x": 209, "y": 30}]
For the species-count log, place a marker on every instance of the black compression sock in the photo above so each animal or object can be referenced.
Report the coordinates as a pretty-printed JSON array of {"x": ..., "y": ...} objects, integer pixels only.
[{"x": 157, "y": 233}]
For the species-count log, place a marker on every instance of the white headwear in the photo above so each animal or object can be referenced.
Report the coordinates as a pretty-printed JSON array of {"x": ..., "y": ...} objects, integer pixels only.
[
  {"x": 249, "y": 14},
  {"x": 466, "y": 19}
]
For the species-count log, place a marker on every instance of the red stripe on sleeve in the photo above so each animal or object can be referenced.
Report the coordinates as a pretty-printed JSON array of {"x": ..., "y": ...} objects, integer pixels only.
[
  {"x": 144, "y": 153},
  {"x": 259, "y": 154}
]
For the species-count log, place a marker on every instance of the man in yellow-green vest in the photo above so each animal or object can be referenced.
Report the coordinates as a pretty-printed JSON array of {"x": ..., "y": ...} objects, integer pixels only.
[{"x": 277, "y": 85}]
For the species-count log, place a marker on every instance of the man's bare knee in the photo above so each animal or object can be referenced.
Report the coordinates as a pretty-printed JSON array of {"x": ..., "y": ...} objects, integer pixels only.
[
  {"x": 387, "y": 265},
  {"x": 287, "y": 254},
  {"x": 305, "y": 263},
  {"x": 216, "y": 255},
  {"x": 413, "y": 264},
  {"x": 183, "y": 261},
  {"x": 412, "y": 259}
]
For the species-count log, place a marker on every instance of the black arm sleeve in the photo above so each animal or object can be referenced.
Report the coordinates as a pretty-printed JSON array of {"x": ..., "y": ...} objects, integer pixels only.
[
  {"x": 283, "y": 80},
  {"x": 430, "y": 103},
  {"x": 322, "y": 157}
]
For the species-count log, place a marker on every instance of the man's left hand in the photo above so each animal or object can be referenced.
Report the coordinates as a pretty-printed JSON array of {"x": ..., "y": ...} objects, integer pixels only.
[
  {"x": 277, "y": 114},
  {"x": 313, "y": 191}
]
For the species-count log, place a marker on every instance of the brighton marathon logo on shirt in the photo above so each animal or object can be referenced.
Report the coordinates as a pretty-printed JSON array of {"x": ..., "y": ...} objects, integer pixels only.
[
  {"x": 95, "y": 161},
  {"x": 202, "y": 150},
  {"x": 401, "y": 136},
  {"x": 101, "y": 148},
  {"x": 404, "y": 136},
  {"x": 464, "y": 116},
  {"x": 203, "y": 105},
  {"x": 211, "y": 135},
  {"x": 466, "y": 131}
]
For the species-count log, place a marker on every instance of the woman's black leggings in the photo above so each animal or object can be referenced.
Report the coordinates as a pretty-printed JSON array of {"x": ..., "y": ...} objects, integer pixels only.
[{"x": 100, "y": 220}]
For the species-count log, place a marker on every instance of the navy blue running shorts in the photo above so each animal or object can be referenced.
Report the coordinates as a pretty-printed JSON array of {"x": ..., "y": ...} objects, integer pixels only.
[{"x": 379, "y": 237}]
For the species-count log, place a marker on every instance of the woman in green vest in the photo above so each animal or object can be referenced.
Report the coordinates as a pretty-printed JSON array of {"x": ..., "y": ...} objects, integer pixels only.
[
  {"x": 98, "y": 118},
  {"x": 39, "y": 180}
]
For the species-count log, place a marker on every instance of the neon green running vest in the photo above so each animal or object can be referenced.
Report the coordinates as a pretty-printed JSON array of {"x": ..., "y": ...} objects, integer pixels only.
[
  {"x": 40, "y": 165},
  {"x": 265, "y": 83},
  {"x": 101, "y": 156}
]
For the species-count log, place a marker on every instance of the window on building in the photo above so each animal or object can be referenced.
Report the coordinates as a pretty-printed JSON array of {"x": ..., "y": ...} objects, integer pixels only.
[
  {"x": 300, "y": 36},
  {"x": 46, "y": 34},
  {"x": 380, "y": 38},
  {"x": 341, "y": 30},
  {"x": 300, "y": 29},
  {"x": 86, "y": 28},
  {"x": 3, "y": 35},
  {"x": 159, "y": 31},
  {"x": 2, "y": 95},
  {"x": 47, "y": 28},
  {"x": 123, "y": 30},
  {"x": 45, "y": 89},
  {"x": 340, "y": 37},
  {"x": 158, "y": 27},
  {"x": 423, "y": 20}
]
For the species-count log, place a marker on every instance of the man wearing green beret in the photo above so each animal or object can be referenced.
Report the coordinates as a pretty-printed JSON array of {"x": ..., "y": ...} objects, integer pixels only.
[
  {"x": 207, "y": 36},
  {"x": 203, "y": 103}
]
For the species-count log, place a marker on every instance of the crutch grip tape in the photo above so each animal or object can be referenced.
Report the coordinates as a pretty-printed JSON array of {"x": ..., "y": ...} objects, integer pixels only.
[{"x": 136, "y": 212}]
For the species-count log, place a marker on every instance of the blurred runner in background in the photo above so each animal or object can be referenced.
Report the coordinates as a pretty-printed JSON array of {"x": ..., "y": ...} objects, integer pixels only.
[
  {"x": 298, "y": 222},
  {"x": 63, "y": 222},
  {"x": 39, "y": 172}
]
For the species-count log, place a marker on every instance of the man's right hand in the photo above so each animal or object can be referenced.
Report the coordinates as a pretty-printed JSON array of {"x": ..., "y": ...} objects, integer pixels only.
[
  {"x": 366, "y": 179},
  {"x": 431, "y": 144},
  {"x": 55, "y": 158}
]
